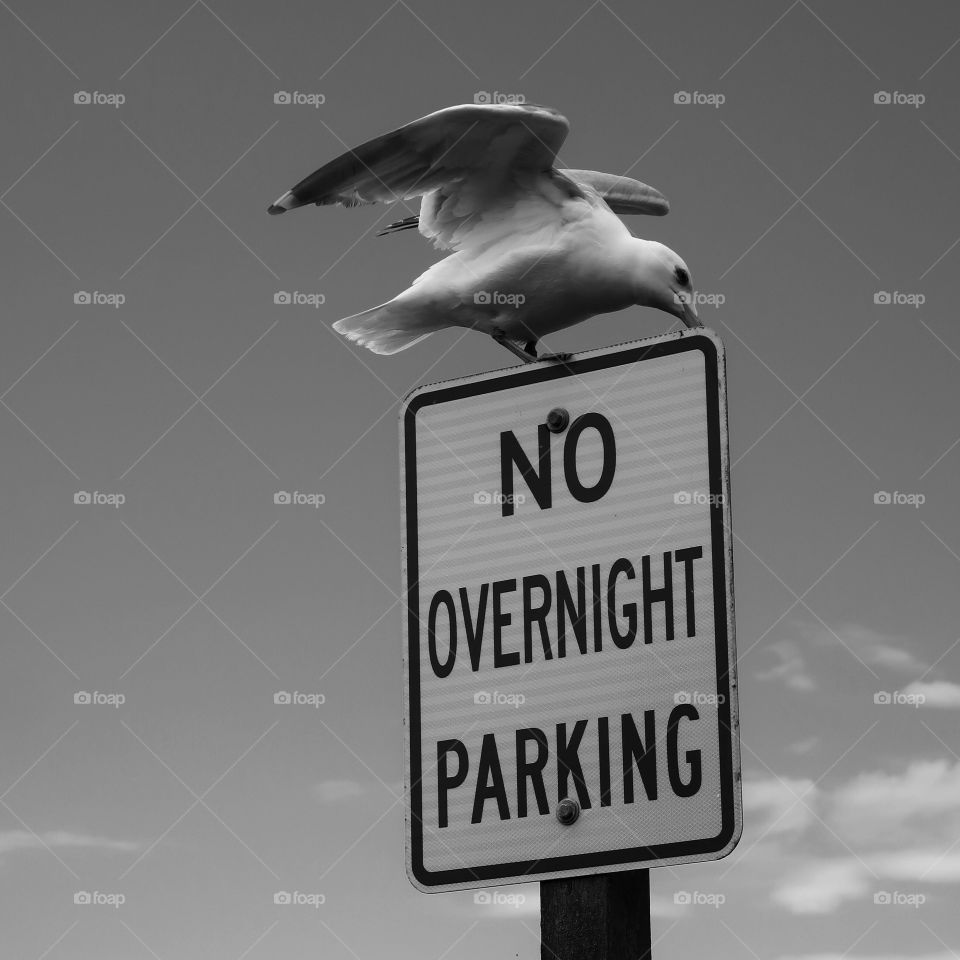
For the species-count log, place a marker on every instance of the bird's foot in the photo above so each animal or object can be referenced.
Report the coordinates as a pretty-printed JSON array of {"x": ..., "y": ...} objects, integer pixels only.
[
  {"x": 556, "y": 357},
  {"x": 527, "y": 355}
]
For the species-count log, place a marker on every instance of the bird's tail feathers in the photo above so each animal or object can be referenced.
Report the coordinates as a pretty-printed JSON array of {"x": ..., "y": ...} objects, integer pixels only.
[{"x": 389, "y": 328}]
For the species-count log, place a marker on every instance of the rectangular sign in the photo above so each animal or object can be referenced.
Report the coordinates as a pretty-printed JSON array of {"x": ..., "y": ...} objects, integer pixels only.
[{"x": 570, "y": 671}]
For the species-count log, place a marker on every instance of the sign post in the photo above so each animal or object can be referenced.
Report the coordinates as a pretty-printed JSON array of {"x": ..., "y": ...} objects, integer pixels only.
[
  {"x": 606, "y": 917},
  {"x": 570, "y": 672}
]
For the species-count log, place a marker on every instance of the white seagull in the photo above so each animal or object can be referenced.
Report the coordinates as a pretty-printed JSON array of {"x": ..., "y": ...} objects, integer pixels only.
[{"x": 535, "y": 248}]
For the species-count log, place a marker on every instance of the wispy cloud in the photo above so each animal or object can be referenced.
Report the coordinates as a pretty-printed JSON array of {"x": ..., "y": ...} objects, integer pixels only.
[
  {"x": 917, "y": 805},
  {"x": 821, "y": 886},
  {"x": 791, "y": 668},
  {"x": 887, "y": 651},
  {"x": 936, "y": 693},
  {"x": 12, "y": 841},
  {"x": 779, "y": 805}
]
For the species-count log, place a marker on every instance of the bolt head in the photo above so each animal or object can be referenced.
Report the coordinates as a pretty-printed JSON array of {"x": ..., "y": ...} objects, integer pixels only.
[
  {"x": 568, "y": 811},
  {"x": 557, "y": 420}
]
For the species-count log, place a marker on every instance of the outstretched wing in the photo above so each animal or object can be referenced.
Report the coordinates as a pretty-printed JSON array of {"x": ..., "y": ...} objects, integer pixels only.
[
  {"x": 622, "y": 194},
  {"x": 488, "y": 143}
]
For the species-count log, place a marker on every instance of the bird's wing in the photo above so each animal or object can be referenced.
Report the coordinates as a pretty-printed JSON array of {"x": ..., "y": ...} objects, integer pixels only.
[
  {"x": 473, "y": 142},
  {"x": 622, "y": 194}
]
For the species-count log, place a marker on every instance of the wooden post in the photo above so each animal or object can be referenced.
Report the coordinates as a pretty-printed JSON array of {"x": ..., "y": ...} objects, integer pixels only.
[{"x": 603, "y": 917}]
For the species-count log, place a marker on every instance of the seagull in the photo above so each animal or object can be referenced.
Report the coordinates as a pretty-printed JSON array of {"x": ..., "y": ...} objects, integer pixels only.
[{"x": 534, "y": 248}]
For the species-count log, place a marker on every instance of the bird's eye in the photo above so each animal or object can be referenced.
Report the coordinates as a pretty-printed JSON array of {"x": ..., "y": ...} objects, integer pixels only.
[{"x": 683, "y": 278}]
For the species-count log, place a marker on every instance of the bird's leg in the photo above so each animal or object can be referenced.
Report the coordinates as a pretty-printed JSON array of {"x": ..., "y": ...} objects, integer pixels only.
[
  {"x": 526, "y": 356},
  {"x": 531, "y": 348}
]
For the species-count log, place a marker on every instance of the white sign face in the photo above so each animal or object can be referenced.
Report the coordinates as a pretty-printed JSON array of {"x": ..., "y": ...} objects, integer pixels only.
[{"x": 569, "y": 618}]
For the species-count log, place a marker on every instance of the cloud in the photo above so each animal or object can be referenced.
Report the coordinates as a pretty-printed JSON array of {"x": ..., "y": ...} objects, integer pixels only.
[
  {"x": 915, "y": 806},
  {"x": 936, "y": 693},
  {"x": 779, "y": 805},
  {"x": 335, "y": 791},
  {"x": 821, "y": 886},
  {"x": 12, "y": 841},
  {"x": 802, "y": 747},
  {"x": 933, "y": 865},
  {"x": 900, "y": 827},
  {"x": 872, "y": 647},
  {"x": 791, "y": 669}
]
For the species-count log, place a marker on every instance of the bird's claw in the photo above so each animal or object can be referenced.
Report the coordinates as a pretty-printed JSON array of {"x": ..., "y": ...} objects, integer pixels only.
[{"x": 556, "y": 357}]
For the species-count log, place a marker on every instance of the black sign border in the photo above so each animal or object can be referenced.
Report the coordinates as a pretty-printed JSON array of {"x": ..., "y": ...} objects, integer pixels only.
[{"x": 593, "y": 862}]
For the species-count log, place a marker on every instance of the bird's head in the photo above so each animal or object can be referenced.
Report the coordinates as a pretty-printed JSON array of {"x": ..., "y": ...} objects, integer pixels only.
[{"x": 663, "y": 281}]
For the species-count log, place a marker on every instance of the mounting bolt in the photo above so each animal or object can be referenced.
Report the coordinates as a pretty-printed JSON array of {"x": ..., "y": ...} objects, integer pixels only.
[
  {"x": 557, "y": 420},
  {"x": 568, "y": 811}
]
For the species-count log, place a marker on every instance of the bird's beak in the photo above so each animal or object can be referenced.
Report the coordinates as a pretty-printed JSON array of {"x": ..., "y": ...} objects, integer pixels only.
[
  {"x": 287, "y": 202},
  {"x": 686, "y": 311}
]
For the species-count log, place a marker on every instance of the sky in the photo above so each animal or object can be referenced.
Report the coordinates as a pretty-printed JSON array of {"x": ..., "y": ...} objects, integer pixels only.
[{"x": 812, "y": 176}]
